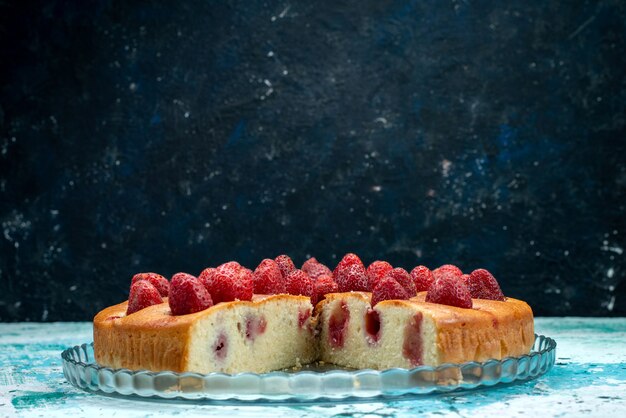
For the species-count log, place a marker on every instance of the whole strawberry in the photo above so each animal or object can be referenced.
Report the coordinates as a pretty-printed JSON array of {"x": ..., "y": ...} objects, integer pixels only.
[
  {"x": 230, "y": 282},
  {"x": 299, "y": 283},
  {"x": 158, "y": 281},
  {"x": 352, "y": 277},
  {"x": 268, "y": 279},
  {"x": 315, "y": 269},
  {"x": 422, "y": 277},
  {"x": 324, "y": 285},
  {"x": 447, "y": 269},
  {"x": 376, "y": 271},
  {"x": 206, "y": 276},
  {"x": 388, "y": 288},
  {"x": 449, "y": 290},
  {"x": 285, "y": 264},
  {"x": 482, "y": 285},
  {"x": 347, "y": 260},
  {"x": 405, "y": 280},
  {"x": 142, "y": 294},
  {"x": 188, "y": 295}
]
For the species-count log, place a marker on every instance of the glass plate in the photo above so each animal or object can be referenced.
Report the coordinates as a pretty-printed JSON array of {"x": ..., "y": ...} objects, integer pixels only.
[{"x": 312, "y": 384}]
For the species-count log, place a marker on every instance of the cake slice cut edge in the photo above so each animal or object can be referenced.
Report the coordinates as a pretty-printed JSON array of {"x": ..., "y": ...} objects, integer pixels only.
[
  {"x": 268, "y": 333},
  {"x": 410, "y": 333}
]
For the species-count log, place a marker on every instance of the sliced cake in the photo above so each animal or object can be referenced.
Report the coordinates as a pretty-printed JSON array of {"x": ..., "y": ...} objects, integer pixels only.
[
  {"x": 267, "y": 333},
  {"x": 409, "y": 333}
]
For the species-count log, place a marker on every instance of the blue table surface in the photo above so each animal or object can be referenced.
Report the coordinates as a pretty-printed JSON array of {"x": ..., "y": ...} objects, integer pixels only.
[{"x": 589, "y": 379}]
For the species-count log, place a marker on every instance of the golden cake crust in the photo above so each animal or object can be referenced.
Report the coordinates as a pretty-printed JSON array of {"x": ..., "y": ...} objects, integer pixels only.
[{"x": 153, "y": 338}]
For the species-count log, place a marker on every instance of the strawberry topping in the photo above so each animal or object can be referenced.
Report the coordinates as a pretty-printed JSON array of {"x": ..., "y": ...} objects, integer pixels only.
[
  {"x": 324, "y": 285},
  {"x": 351, "y": 277},
  {"x": 188, "y": 295},
  {"x": 447, "y": 269},
  {"x": 142, "y": 294},
  {"x": 268, "y": 279},
  {"x": 347, "y": 260},
  {"x": 315, "y": 269},
  {"x": 422, "y": 277},
  {"x": 449, "y": 290},
  {"x": 285, "y": 264},
  {"x": 405, "y": 280},
  {"x": 388, "y": 288},
  {"x": 482, "y": 285},
  {"x": 206, "y": 276},
  {"x": 298, "y": 283},
  {"x": 158, "y": 281},
  {"x": 229, "y": 282},
  {"x": 376, "y": 271}
]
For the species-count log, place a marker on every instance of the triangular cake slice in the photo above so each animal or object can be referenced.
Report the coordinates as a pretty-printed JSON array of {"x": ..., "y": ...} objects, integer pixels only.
[{"x": 409, "y": 333}]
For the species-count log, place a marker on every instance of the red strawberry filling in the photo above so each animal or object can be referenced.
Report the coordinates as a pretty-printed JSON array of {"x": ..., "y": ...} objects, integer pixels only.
[
  {"x": 303, "y": 317},
  {"x": 372, "y": 326},
  {"x": 220, "y": 347},
  {"x": 338, "y": 325},
  {"x": 412, "y": 345},
  {"x": 255, "y": 326}
]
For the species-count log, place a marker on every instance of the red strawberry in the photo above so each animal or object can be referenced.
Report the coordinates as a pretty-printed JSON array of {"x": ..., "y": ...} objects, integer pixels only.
[
  {"x": 376, "y": 271},
  {"x": 268, "y": 279},
  {"x": 447, "y": 269},
  {"x": 465, "y": 279},
  {"x": 448, "y": 290},
  {"x": 298, "y": 283},
  {"x": 142, "y": 294},
  {"x": 324, "y": 285},
  {"x": 482, "y": 285},
  {"x": 347, "y": 260},
  {"x": 315, "y": 269},
  {"x": 404, "y": 278},
  {"x": 158, "y": 281},
  {"x": 422, "y": 277},
  {"x": 188, "y": 295},
  {"x": 230, "y": 281},
  {"x": 388, "y": 288},
  {"x": 285, "y": 264},
  {"x": 352, "y": 277},
  {"x": 206, "y": 277}
]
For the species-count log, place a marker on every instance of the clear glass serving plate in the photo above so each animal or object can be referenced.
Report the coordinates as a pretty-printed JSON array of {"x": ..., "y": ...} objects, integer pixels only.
[{"x": 312, "y": 384}]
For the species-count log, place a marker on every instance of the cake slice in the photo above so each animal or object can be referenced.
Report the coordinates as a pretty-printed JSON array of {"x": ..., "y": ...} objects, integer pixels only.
[
  {"x": 410, "y": 333},
  {"x": 267, "y": 333}
]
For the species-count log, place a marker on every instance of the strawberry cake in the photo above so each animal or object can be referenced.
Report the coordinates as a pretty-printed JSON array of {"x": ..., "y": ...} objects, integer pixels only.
[{"x": 231, "y": 319}]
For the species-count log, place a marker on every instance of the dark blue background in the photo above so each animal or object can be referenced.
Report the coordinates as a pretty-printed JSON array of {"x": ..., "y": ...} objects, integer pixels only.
[{"x": 143, "y": 137}]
